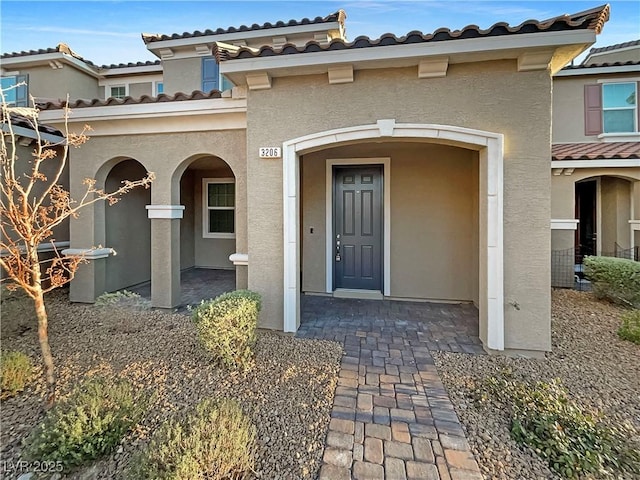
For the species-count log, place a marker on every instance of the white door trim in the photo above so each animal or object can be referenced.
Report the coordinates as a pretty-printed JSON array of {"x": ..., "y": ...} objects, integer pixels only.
[
  {"x": 491, "y": 152},
  {"x": 386, "y": 236}
]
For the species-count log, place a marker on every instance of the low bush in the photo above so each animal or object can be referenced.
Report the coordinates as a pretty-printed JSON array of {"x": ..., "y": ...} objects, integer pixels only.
[
  {"x": 214, "y": 442},
  {"x": 575, "y": 442},
  {"x": 616, "y": 279},
  {"x": 123, "y": 299},
  {"x": 16, "y": 371},
  {"x": 88, "y": 424},
  {"x": 227, "y": 327},
  {"x": 630, "y": 328}
]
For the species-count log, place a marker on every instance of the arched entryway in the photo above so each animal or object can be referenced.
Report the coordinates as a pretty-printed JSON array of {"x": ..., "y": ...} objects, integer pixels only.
[
  {"x": 127, "y": 228},
  {"x": 604, "y": 208},
  {"x": 207, "y": 190},
  {"x": 489, "y": 209}
]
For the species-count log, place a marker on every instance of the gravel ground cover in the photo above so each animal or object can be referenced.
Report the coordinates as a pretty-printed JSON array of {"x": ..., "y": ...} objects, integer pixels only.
[
  {"x": 599, "y": 370},
  {"x": 288, "y": 393}
]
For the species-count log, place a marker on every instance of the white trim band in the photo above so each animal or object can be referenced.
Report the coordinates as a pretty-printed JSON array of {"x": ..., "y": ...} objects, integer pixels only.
[
  {"x": 564, "y": 223},
  {"x": 165, "y": 211},
  {"x": 239, "y": 258},
  {"x": 600, "y": 163},
  {"x": 89, "y": 253}
]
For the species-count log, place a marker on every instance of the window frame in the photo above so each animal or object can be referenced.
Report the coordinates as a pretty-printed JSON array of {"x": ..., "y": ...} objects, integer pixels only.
[
  {"x": 205, "y": 208},
  {"x": 155, "y": 87},
  {"x": 634, "y": 108},
  {"x": 21, "y": 93},
  {"x": 118, "y": 85}
]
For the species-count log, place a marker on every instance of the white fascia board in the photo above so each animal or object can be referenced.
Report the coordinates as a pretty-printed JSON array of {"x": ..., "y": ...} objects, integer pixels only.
[
  {"x": 122, "y": 71},
  {"x": 121, "y": 80},
  {"x": 415, "y": 50},
  {"x": 30, "y": 133},
  {"x": 600, "y": 163},
  {"x": 598, "y": 70},
  {"x": 44, "y": 59},
  {"x": 146, "y": 110},
  {"x": 229, "y": 37}
]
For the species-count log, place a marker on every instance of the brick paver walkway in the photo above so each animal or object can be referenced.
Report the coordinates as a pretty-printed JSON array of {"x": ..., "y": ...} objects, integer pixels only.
[{"x": 392, "y": 417}]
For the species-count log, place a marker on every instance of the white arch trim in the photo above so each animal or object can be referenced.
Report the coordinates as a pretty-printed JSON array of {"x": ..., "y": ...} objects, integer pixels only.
[{"x": 490, "y": 148}]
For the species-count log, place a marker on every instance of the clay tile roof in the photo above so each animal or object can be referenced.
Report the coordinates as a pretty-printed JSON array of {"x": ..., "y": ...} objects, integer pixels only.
[
  {"x": 595, "y": 151},
  {"x": 592, "y": 19},
  {"x": 338, "y": 16},
  {"x": 604, "y": 64},
  {"x": 131, "y": 64},
  {"x": 178, "y": 97},
  {"x": 617, "y": 46},
  {"x": 60, "y": 48}
]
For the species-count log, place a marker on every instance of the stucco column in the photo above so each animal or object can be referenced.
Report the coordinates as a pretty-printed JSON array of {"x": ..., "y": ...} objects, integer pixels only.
[
  {"x": 165, "y": 254},
  {"x": 89, "y": 281}
]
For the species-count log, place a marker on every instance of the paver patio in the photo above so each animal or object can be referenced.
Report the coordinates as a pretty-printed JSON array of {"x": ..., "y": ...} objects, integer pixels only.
[{"x": 392, "y": 417}]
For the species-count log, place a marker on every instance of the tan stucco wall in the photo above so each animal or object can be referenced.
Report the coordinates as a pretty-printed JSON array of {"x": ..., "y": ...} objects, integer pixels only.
[
  {"x": 434, "y": 228},
  {"x": 616, "y": 213},
  {"x": 138, "y": 89},
  {"x": 128, "y": 230},
  {"x": 45, "y": 82},
  {"x": 488, "y": 96},
  {"x": 48, "y": 168},
  {"x": 187, "y": 224},
  {"x": 182, "y": 75},
  {"x": 568, "y": 106},
  {"x": 628, "y": 55}
]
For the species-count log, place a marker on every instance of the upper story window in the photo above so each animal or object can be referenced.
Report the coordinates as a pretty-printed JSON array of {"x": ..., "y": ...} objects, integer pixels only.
[
  {"x": 219, "y": 205},
  {"x": 159, "y": 88},
  {"x": 619, "y": 107},
  {"x": 611, "y": 107},
  {"x": 119, "y": 91},
  {"x": 210, "y": 74},
  {"x": 15, "y": 89},
  {"x": 211, "y": 78}
]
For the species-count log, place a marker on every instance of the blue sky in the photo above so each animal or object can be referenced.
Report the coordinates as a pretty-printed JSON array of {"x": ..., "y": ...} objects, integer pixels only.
[{"x": 108, "y": 32}]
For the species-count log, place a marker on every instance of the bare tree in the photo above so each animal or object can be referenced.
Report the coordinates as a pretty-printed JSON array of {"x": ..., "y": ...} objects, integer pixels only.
[{"x": 31, "y": 206}]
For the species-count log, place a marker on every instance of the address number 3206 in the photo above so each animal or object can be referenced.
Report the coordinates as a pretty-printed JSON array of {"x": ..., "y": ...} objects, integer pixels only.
[{"x": 270, "y": 152}]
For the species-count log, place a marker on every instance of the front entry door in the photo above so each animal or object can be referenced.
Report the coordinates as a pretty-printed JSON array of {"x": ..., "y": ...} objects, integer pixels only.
[{"x": 357, "y": 227}]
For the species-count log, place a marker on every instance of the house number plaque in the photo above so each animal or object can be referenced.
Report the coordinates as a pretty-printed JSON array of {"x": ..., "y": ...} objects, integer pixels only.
[{"x": 270, "y": 152}]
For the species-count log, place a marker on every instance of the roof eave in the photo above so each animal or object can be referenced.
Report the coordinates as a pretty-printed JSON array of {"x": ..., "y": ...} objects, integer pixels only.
[
  {"x": 240, "y": 35},
  {"x": 26, "y": 61},
  {"x": 137, "y": 70},
  {"x": 499, "y": 47},
  {"x": 573, "y": 72}
]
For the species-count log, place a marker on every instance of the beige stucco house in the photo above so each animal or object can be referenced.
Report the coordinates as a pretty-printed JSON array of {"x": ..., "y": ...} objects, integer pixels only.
[
  {"x": 402, "y": 168},
  {"x": 595, "y": 196}
]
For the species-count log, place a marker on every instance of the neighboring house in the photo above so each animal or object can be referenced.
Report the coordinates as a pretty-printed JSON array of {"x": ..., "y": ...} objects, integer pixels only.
[
  {"x": 595, "y": 196},
  {"x": 49, "y": 75},
  {"x": 403, "y": 168},
  {"x": 26, "y": 137}
]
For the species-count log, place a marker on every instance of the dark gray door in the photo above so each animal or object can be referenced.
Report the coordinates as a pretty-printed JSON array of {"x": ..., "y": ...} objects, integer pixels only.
[{"x": 357, "y": 227}]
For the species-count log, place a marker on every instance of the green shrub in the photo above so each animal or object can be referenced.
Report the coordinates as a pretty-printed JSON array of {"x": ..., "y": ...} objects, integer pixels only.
[
  {"x": 630, "y": 328},
  {"x": 616, "y": 279},
  {"x": 214, "y": 442},
  {"x": 227, "y": 327},
  {"x": 574, "y": 441},
  {"x": 16, "y": 371},
  {"x": 123, "y": 299},
  {"x": 87, "y": 425}
]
